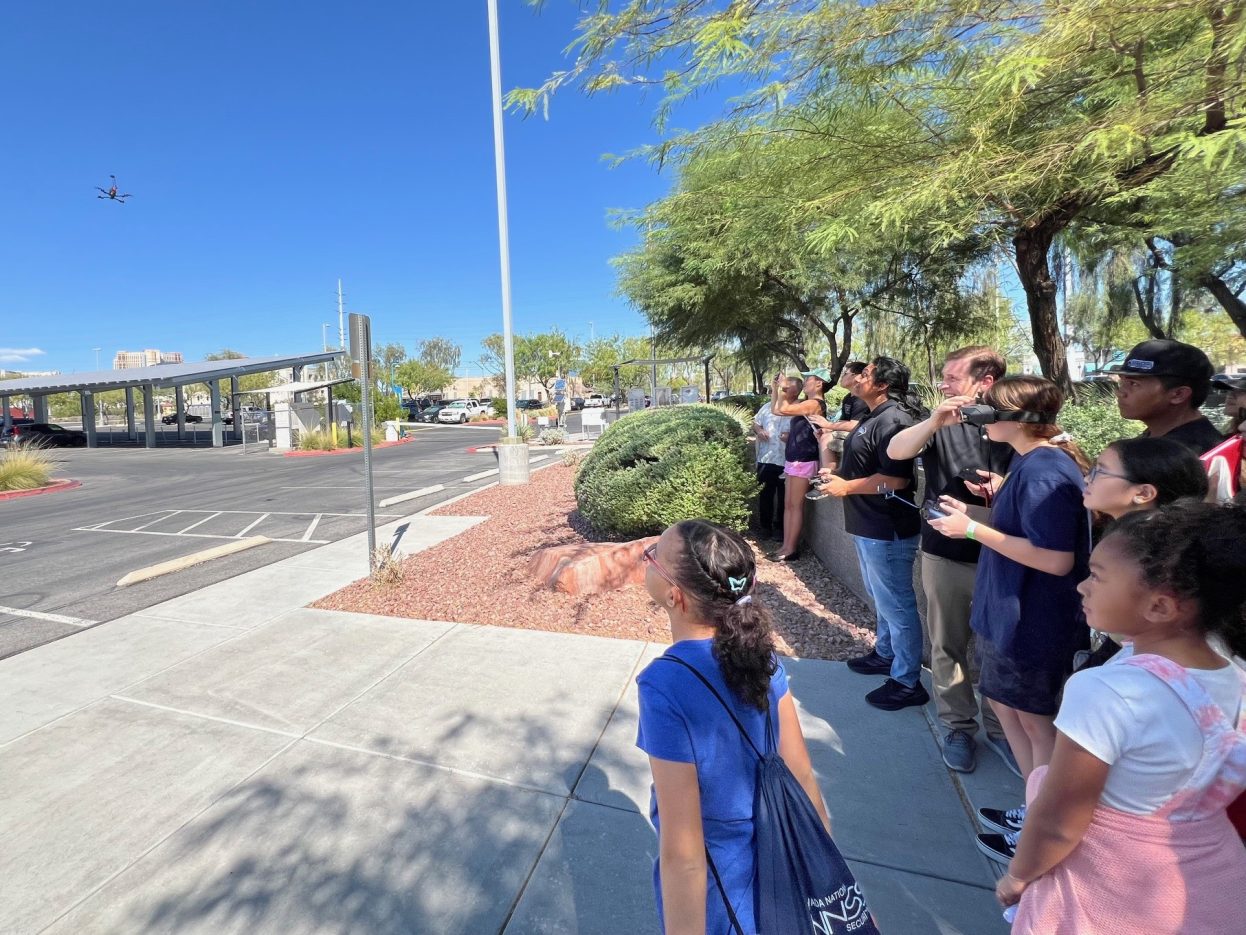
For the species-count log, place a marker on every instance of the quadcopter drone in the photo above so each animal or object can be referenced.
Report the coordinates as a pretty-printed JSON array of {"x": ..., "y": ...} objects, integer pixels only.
[{"x": 111, "y": 192}]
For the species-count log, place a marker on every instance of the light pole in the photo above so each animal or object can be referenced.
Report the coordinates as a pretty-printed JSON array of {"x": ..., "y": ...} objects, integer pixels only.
[
  {"x": 97, "y": 357},
  {"x": 499, "y": 158},
  {"x": 324, "y": 335}
]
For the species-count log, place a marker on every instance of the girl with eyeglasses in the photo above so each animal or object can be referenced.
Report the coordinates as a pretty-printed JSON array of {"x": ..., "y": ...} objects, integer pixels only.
[
  {"x": 704, "y": 776},
  {"x": 1142, "y": 474}
]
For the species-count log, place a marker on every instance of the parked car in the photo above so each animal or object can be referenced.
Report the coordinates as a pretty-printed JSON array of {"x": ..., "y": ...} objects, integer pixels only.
[
  {"x": 718, "y": 394},
  {"x": 460, "y": 411},
  {"x": 415, "y": 408},
  {"x": 596, "y": 401},
  {"x": 431, "y": 411},
  {"x": 577, "y": 403},
  {"x": 486, "y": 407},
  {"x": 45, "y": 434},
  {"x": 171, "y": 418},
  {"x": 529, "y": 404},
  {"x": 6, "y": 434}
]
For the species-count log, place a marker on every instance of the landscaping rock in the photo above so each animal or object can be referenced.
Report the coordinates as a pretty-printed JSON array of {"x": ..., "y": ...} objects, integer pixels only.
[{"x": 590, "y": 568}]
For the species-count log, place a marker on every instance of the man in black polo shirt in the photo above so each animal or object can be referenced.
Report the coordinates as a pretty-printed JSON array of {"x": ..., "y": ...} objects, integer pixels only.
[
  {"x": 1162, "y": 384},
  {"x": 885, "y": 533},
  {"x": 947, "y": 447}
]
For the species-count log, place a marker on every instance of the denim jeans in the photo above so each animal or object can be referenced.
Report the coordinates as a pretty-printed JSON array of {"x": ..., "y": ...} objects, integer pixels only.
[{"x": 887, "y": 567}]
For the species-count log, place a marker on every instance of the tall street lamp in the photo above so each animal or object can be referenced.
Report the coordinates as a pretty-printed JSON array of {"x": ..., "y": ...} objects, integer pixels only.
[
  {"x": 97, "y": 357},
  {"x": 499, "y": 158}
]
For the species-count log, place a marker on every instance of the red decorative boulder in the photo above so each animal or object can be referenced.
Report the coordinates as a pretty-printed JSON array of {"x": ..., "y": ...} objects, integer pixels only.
[{"x": 590, "y": 568}]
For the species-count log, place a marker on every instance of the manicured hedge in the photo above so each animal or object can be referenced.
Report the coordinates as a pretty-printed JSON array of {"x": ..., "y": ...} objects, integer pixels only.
[{"x": 656, "y": 467}]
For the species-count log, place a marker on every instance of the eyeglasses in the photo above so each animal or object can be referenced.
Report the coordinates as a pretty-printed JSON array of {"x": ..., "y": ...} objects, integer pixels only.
[
  {"x": 650, "y": 555},
  {"x": 1097, "y": 471}
]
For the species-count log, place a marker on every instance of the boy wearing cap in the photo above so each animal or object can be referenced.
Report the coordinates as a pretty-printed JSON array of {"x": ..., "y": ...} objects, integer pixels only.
[{"x": 1162, "y": 384}]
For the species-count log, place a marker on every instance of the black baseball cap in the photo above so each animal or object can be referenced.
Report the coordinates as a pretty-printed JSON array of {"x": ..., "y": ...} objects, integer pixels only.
[
  {"x": 1225, "y": 382},
  {"x": 1160, "y": 358}
]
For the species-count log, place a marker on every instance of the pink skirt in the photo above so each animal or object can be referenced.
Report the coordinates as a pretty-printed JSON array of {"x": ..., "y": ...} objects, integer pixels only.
[
  {"x": 806, "y": 469},
  {"x": 1135, "y": 874}
]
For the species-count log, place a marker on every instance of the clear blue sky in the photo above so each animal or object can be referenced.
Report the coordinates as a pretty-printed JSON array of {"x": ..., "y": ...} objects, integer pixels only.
[{"x": 274, "y": 147}]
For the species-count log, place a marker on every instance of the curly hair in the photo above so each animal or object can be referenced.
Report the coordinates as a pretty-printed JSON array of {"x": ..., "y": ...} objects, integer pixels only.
[
  {"x": 1197, "y": 551},
  {"x": 717, "y": 569}
]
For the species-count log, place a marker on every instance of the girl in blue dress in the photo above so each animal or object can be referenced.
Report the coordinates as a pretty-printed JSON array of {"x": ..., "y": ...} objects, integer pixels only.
[{"x": 704, "y": 776}]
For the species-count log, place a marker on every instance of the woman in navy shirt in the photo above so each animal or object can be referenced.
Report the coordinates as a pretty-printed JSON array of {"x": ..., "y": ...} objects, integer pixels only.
[
  {"x": 1026, "y": 609},
  {"x": 704, "y": 774}
]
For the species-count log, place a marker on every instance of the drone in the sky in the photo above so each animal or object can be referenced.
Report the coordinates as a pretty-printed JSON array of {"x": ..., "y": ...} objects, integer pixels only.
[{"x": 111, "y": 192}]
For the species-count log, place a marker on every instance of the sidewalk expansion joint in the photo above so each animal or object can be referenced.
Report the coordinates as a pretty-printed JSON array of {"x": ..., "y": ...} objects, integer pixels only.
[
  {"x": 919, "y": 873},
  {"x": 207, "y": 717}
]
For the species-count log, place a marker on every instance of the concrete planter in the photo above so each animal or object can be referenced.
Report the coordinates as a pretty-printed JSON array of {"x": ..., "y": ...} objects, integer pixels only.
[{"x": 513, "y": 468}]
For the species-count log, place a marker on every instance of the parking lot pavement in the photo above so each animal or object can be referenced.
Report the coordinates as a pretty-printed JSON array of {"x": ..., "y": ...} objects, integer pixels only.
[{"x": 65, "y": 552}]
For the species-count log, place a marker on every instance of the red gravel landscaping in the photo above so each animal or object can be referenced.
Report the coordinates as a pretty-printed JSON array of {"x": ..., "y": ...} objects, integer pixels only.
[{"x": 480, "y": 576}]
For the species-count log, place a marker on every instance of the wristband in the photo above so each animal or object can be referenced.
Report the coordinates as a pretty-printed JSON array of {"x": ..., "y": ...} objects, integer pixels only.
[{"x": 970, "y": 530}]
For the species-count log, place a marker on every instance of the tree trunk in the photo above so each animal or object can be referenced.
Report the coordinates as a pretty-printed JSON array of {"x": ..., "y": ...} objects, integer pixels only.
[
  {"x": 1033, "y": 246},
  {"x": 1231, "y": 303}
]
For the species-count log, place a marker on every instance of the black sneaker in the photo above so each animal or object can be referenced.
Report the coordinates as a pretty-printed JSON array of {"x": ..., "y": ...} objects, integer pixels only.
[
  {"x": 870, "y": 664},
  {"x": 893, "y": 696},
  {"x": 999, "y": 847},
  {"x": 1001, "y": 821}
]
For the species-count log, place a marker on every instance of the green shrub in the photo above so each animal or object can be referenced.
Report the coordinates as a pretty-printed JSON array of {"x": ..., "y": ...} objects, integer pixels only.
[
  {"x": 387, "y": 408},
  {"x": 24, "y": 468},
  {"x": 1093, "y": 420},
  {"x": 750, "y": 401},
  {"x": 553, "y": 437},
  {"x": 572, "y": 457},
  {"x": 657, "y": 467}
]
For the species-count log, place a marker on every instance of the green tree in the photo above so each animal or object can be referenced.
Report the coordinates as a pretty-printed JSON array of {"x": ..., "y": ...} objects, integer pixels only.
[
  {"x": 1006, "y": 122},
  {"x": 601, "y": 356},
  {"x": 441, "y": 353},
  {"x": 419, "y": 378},
  {"x": 541, "y": 357},
  {"x": 385, "y": 361}
]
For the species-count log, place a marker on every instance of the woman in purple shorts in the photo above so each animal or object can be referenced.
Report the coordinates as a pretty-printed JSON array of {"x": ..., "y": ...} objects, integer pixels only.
[{"x": 801, "y": 453}]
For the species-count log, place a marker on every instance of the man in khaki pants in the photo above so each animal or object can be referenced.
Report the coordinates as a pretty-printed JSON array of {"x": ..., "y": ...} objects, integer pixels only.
[{"x": 948, "y": 448}]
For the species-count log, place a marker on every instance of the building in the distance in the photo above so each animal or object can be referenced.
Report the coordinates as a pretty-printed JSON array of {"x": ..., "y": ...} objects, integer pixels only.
[{"x": 128, "y": 360}]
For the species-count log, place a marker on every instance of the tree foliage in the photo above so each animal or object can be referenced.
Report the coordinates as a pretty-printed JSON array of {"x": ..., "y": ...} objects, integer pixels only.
[
  {"x": 944, "y": 123},
  {"x": 418, "y": 378},
  {"x": 441, "y": 353},
  {"x": 541, "y": 357}
]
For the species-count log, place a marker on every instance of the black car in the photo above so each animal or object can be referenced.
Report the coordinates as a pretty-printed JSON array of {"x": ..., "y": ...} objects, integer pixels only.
[
  {"x": 6, "y": 432},
  {"x": 171, "y": 418},
  {"x": 46, "y": 435},
  {"x": 577, "y": 403},
  {"x": 529, "y": 404},
  {"x": 429, "y": 413}
]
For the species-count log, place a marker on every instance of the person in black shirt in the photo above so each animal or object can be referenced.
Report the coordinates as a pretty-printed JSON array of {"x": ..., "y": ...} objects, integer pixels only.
[
  {"x": 947, "y": 447},
  {"x": 1162, "y": 384},
  {"x": 851, "y": 411},
  {"x": 885, "y": 533}
]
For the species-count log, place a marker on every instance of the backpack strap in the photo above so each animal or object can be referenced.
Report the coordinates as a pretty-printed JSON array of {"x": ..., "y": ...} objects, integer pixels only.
[
  {"x": 722, "y": 891},
  {"x": 726, "y": 707}
]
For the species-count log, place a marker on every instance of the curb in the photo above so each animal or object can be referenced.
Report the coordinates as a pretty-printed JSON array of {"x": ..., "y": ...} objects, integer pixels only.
[
  {"x": 187, "y": 561},
  {"x": 344, "y": 451},
  {"x": 54, "y": 487}
]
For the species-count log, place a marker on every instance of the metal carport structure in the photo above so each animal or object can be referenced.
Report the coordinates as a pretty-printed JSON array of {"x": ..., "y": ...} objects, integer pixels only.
[{"x": 148, "y": 380}]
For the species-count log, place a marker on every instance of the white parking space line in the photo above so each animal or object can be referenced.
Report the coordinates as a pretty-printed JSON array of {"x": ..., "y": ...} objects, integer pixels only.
[
  {"x": 252, "y": 526},
  {"x": 200, "y": 523},
  {"x": 196, "y": 535},
  {"x": 166, "y": 515},
  {"x": 472, "y": 477},
  {"x": 50, "y": 618},
  {"x": 538, "y": 458},
  {"x": 312, "y": 527}
]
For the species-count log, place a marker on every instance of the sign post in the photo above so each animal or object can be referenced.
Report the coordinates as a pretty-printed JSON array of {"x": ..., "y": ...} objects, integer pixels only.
[{"x": 361, "y": 369}]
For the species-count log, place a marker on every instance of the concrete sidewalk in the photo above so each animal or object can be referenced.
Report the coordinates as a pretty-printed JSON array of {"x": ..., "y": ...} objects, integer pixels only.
[{"x": 231, "y": 761}]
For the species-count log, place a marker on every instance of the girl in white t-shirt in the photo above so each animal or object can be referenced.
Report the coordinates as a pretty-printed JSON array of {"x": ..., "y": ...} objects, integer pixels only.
[{"x": 1126, "y": 830}]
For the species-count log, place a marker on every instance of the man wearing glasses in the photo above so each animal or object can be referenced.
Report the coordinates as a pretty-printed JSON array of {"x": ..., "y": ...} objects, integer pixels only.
[{"x": 949, "y": 449}]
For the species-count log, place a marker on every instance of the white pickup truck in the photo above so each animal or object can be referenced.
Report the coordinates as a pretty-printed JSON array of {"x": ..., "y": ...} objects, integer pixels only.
[{"x": 461, "y": 411}]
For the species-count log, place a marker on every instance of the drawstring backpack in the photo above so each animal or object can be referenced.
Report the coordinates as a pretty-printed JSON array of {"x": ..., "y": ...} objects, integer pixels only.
[{"x": 804, "y": 886}]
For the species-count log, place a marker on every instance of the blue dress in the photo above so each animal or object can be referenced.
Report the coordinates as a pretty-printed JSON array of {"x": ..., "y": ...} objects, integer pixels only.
[{"x": 681, "y": 721}]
